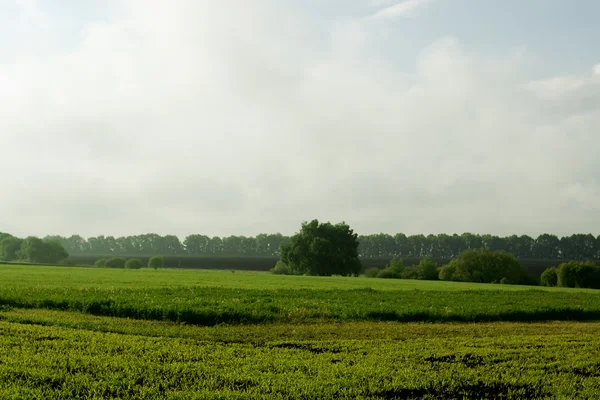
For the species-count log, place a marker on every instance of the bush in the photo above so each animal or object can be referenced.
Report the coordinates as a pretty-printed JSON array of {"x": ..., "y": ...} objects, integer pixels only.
[
  {"x": 485, "y": 266},
  {"x": 156, "y": 262},
  {"x": 372, "y": 272},
  {"x": 115, "y": 262},
  {"x": 579, "y": 274},
  {"x": 549, "y": 277},
  {"x": 427, "y": 269},
  {"x": 281, "y": 268},
  {"x": 393, "y": 270},
  {"x": 447, "y": 272},
  {"x": 134, "y": 263},
  {"x": 101, "y": 263}
]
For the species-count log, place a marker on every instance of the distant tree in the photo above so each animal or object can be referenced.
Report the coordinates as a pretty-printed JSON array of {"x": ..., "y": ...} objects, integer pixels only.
[
  {"x": 115, "y": 262},
  {"x": 402, "y": 245},
  {"x": 323, "y": 249},
  {"x": 546, "y": 246},
  {"x": 134, "y": 263},
  {"x": 156, "y": 262},
  {"x": 101, "y": 263},
  {"x": 10, "y": 247},
  {"x": 36, "y": 250},
  {"x": 472, "y": 241},
  {"x": 197, "y": 244},
  {"x": 418, "y": 245}
]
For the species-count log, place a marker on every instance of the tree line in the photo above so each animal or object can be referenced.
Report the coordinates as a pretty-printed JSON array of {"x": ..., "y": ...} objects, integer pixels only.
[{"x": 443, "y": 246}]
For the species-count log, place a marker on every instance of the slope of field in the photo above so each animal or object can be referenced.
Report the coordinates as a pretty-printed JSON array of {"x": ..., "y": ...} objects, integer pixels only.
[
  {"x": 215, "y": 297},
  {"x": 27, "y": 276}
]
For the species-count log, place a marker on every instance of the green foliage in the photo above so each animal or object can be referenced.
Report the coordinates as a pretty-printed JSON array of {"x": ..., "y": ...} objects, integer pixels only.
[
  {"x": 549, "y": 277},
  {"x": 442, "y": 247},
  {"x": 484, "y": 266},
  {"x": 372, "y": 272},
  {"x": 393, "y": 270},
  {"x": 579, "y": 274},
  {"x": 36, "y": 250},
  {"x": 329, "y": 361},
  {"x": 134, "y": 263},
  {"x": 10, "y": 247},
  {"x": 281, "y": 268},
  {"x": 156, "y": 262},
  {"x": 447, "y": 272},
  {"x": 214, "y": 297},
  {"x": 115, "y": 262},
  {"x": 427, "y": 269},
  {"x": 101, "y": 263},
  {"x": 323, "y": 249}
]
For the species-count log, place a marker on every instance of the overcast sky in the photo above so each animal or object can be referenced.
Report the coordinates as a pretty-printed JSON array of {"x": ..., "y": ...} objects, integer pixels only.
[{"x": 122, "y": 117}]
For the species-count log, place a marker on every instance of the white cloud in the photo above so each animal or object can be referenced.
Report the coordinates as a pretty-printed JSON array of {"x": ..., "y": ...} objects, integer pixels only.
[
  {"x": 401, "y": 9},
  {"x": 597, "y": 69},
  {"x": 194, "y": 117}
]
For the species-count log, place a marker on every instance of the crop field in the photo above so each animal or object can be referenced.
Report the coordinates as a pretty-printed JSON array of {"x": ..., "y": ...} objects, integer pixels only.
[{"x": 183, "y": 334}]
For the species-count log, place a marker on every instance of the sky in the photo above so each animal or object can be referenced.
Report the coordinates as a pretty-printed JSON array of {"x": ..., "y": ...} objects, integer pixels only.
[{"x": 122, "y": 117}]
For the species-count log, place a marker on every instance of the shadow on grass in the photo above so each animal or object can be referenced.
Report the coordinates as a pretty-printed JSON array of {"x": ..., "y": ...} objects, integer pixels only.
[{"x": 110, "y": 308}]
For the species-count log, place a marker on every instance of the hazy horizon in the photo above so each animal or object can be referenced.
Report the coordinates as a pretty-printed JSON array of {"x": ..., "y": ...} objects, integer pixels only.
[{"x": 124, "y": 117}]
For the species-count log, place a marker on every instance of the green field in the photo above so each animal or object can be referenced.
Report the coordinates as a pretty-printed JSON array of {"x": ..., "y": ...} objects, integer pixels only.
[{"x": 179, "y": 334}]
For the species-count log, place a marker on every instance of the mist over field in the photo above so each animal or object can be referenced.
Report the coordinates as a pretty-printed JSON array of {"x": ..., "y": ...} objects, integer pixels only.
[{"x": 128, "y": 116}]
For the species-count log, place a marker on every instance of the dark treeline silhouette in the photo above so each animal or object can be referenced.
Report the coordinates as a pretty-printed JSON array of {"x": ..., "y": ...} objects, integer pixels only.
[{"x": 442, "y": 246}]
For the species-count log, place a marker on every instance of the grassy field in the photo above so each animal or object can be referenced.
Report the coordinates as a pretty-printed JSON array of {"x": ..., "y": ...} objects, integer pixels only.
[
  {"x": 140, "y": 334},
  {"x": 102, "y": 278}
]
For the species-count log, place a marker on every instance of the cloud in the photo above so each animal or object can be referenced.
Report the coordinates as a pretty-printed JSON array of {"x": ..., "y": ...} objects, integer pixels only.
[
  {"x": 190, "y": 117},
  {"x": 404, "y": 8}
]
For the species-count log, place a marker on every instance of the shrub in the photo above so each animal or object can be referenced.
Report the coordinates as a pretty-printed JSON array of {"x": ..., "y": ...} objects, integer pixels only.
[
  {"x": 387, "y": 273},
  {"x": 447, "y": 272},
  {"x": 427, "y": 269},
  {"x": 156, "y": 262},
  {"x": 115, "y": 262},
  {"x": 281, "y": 268},
  {"x": 372, "y": 272},
  {"x": 549, "y": 277},
  {"x": 504, "y": 281},
  {"x": 485, "y": 266},
  {"x": 410, "y": 273},
  {"x": 579, "y": 274},
  {"x": 101, "y": 263},
  {"x": 134, "y": 263},
  {"x": 393, "y": 270}
]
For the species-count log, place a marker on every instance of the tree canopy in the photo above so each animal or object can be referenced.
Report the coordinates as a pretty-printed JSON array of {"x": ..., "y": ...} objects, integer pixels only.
[{"x": 322, "y": 249}]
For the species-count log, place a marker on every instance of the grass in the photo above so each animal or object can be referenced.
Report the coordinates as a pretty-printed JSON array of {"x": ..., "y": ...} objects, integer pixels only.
[
  {"x": 102, "y": 278},
  {"x": 47, "y": 358},
  {"x": 216, "y": 297},
  {"x": 70, "y": 333}
]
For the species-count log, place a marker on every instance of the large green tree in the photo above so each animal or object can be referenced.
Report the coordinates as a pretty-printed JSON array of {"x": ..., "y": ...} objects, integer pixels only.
[
  {"x": 323, "y": 249},
  {"x": 36, "y": 250}
]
